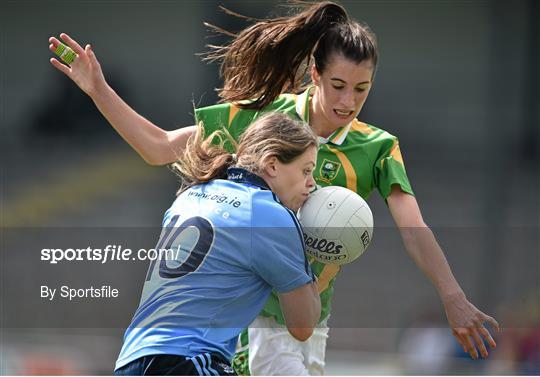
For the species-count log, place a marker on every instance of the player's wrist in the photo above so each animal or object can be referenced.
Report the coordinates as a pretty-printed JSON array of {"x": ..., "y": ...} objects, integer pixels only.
[
  {"x": 100, "y": 91},
  {"x": 452, "y": 295}
]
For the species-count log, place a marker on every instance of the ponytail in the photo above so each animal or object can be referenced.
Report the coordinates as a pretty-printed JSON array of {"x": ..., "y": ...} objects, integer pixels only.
[{"x": 272, "y": 55}]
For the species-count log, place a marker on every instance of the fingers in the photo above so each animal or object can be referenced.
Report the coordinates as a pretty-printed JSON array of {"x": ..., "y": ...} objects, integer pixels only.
[
  {"x": 492, "y": 322},
  {"x": 460, "y": 340},
  {"x": 72, "y": 43},
  {"x": 61, "y": 67},
  {"x": 466, "y": 336},
  {"x": 484, "y": 332},
  {"x": 54, "y": 42},
  {"x": 487, "y": 336},
  {"x": 462, "y": 334},
  {"x": 66, "y": 53},
  {"x": 479, "y": 343},
  {"x": 470, "y": 347},
  {"x": 90, "y": 54}
]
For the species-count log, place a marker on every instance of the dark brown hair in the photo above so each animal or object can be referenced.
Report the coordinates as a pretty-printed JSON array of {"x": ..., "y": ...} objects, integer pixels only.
[
  {"x": 273, "y": 55},
  {"x": 273, "y": 134}
]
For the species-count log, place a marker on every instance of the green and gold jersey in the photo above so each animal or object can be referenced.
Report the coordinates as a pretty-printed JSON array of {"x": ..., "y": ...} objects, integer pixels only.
[{"x": 357, "y": 156}]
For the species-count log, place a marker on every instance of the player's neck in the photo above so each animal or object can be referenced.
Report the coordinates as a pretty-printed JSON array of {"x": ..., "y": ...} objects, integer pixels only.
[{"x": 318, "y": 122}]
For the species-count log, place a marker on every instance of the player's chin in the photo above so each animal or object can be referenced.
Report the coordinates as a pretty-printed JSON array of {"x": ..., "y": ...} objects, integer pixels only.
[
  {"x": 299, "y": 203},
  {"x": 294, "y": 207}
]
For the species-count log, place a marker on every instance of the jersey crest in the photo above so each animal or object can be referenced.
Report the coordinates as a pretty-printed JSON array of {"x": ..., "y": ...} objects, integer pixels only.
[{"x": 329, "y": 170}]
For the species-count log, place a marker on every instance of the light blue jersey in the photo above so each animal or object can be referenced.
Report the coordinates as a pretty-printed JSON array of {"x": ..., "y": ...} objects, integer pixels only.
[{"x": 228, "y": 244}]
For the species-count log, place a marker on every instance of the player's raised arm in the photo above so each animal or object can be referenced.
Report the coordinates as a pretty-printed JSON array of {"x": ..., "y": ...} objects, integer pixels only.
[{"x": 155, "y": 145}]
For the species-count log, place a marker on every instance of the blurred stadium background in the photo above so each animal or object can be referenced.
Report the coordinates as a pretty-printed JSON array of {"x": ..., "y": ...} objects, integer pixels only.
[{"x": 458, "y": 82}]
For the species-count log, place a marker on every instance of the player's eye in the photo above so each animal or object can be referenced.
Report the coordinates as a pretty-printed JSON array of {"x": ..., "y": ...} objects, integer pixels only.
[
  {"x": 362, "y": 88},
  {"x": 338, "y": 87}
]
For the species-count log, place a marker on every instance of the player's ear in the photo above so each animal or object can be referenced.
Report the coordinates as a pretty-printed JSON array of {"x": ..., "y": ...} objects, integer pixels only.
[
  {"x": 315, "y": 77},
  {"x": 270, "y": 166}
]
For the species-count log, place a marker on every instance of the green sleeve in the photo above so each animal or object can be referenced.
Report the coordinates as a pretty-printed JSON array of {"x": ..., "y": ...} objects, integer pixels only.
[
  {"x": 213, "y": 117},
  {"x": 225, "y": 116},
  {"x": 390, "y": 170}
]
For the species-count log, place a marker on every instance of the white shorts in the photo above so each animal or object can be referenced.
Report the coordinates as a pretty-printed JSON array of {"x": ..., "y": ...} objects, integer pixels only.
[{"x": 274, "y": 352}]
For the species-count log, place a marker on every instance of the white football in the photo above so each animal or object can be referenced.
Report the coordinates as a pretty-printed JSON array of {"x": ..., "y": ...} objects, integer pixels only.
[{"x": 337, "y": 224}]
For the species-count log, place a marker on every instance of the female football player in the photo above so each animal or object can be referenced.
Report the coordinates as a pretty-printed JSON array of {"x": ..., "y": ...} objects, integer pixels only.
[
  {"x": 229, "y": 238},
  {"x": 259, "y": 65}
]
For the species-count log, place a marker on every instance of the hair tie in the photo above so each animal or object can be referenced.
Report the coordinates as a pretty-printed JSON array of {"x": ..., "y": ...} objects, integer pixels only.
[{"x": 234, "y": 158}]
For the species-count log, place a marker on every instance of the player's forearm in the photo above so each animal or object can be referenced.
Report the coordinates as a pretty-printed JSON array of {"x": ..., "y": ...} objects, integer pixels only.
[
  {"x": 150, "y": 141},
  {"x": 306, "y": 315},
  {"x": 424, "y": 249},
  {"x": 315, "y": 312},
  {"x": 301, "y": 309}
]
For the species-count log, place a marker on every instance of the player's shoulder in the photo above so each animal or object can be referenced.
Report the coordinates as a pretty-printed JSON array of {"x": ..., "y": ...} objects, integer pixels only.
[
  {"x": 249, "y": 204},
  {"x": 363, "y": 133},
  {"x": 224, "y": 201},
  {"x": 268, "y": 211},
  {"x": 286, "y": 98},
  {"x": 212, "y": 111},
  {"x": 229, "y": 113},
  {"x": 361, "y": 128},
  {"x": 282, "y": 100}
]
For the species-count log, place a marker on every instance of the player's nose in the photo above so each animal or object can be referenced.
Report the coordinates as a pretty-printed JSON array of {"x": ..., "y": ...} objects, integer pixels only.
[
  {"x": 347, "y": 100},
  {"x": 310, "y": 182}
]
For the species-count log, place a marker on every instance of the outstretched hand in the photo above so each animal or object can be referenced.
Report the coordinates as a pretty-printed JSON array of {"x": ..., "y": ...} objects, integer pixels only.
[
  {"x": 467, "y": 324},
  {"x": 84, "y": 70}
]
